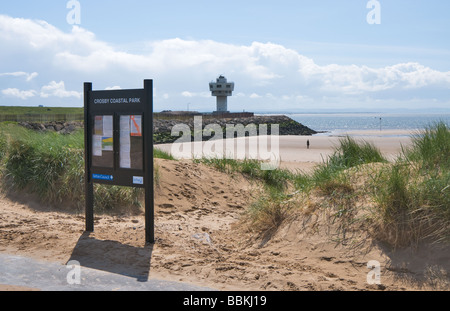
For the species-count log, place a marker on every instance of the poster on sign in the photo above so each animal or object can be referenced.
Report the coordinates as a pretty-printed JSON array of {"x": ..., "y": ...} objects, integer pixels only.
[
  {"x": 136, "y": 126},
  {"x": 131, "y": 142},
  {"x": 103, "y": 142},
  {"x": 125, "y": 142}
]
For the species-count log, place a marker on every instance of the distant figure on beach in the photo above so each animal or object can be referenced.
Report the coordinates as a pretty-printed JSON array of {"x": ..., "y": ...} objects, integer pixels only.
[{"x": 307, "y": 144}]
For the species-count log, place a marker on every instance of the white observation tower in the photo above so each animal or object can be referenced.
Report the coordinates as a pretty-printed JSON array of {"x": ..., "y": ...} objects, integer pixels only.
[{"x": 221, "y": 89}]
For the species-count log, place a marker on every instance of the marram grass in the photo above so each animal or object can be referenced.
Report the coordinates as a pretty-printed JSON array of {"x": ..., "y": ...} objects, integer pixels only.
[
  {"x": 411, "y": 195},
  {"x": 51, "y": 166}
]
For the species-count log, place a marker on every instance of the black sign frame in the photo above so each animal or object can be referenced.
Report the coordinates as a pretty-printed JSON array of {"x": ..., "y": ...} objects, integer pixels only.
[{"x": 114, "y": 104}]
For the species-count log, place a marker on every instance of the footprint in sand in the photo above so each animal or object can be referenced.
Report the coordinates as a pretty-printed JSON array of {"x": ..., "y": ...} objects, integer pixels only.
[{"x": 167, "y": 208}]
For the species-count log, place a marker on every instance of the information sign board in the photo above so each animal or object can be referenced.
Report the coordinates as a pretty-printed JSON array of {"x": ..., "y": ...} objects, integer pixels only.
[{"x": 119, "y": 144}]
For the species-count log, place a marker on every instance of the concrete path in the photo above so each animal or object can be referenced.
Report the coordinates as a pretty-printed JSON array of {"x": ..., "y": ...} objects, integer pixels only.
[{"x": 44, "y": 276}]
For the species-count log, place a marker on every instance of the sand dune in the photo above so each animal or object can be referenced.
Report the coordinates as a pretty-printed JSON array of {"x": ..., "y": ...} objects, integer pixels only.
[{"x": 202, "y": 238}]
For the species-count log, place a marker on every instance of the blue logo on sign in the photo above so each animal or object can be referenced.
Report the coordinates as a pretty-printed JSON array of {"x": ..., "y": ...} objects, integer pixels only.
[
  {"x": 103, "y": 177},
  {"x": 138, "y": 180}
]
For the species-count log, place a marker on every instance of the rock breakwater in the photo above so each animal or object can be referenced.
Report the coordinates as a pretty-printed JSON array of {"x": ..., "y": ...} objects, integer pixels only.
[
  {"x": 287, "y": 126},
  {"x": 163, "y": 128},
  {"x": 53, "y": 126}
]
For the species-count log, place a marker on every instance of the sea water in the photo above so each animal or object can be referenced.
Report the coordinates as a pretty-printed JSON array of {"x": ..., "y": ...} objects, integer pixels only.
[{"x": 334, "y": 123}]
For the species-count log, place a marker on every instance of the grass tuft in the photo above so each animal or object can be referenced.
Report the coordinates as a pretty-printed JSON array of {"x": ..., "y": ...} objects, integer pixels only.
[
  {"x": 277, "y": 179},
  {"x": 431, "y": 147},
  {"x": 268, "y": 212},
  {"x": 413, "y": 195},
  {"x": 159, "y": 154}
]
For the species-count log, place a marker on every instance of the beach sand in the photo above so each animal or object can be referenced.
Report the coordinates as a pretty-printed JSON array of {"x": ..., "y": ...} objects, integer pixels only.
[
  {"x": 202, "y": 237},
  {"x": 292, "y": 150}
]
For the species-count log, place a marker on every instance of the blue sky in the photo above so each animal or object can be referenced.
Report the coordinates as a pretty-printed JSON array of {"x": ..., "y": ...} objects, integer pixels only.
[{"x": 282, "y": 55}]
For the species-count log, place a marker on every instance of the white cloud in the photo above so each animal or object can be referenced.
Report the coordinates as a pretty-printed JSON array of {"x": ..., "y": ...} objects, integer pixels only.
[
  {"x": 28, "y": 76},
  {"x": 112, "y": 88},
  {"x": 13, "y": 92},
  {"x": 359, "y": 79},
  {"x": 195, "y": 94},
  {"x": 186, "y": 66},
  {"x": 58, "y": 90},
  {"x": 187, "y": 94},
  {"x": 32, "y": 76}
]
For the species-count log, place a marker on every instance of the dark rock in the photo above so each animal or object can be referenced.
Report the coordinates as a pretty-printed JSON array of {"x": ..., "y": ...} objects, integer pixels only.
[
  {"x": 70, "y": 128},
  {"x": 59, "y": 127}
]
